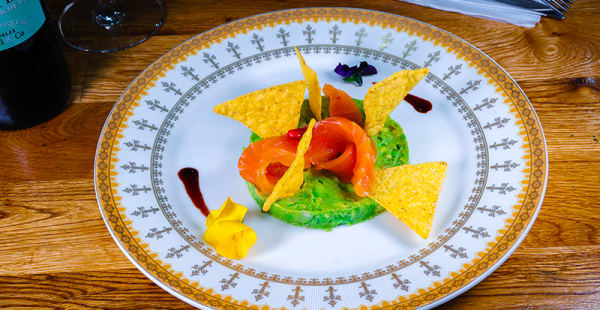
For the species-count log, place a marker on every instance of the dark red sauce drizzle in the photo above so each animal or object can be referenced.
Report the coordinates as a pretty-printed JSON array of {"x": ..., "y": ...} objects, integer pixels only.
[
  {"x": 191, "y": 182},
  {"x": 419, "y": 104}
]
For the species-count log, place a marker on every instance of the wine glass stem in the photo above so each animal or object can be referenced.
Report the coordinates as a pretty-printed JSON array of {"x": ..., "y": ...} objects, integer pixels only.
[{"x": 109, "y": 15}]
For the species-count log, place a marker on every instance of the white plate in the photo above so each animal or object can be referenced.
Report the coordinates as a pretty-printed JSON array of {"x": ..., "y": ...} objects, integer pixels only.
[{"x": 481, "y": 124}]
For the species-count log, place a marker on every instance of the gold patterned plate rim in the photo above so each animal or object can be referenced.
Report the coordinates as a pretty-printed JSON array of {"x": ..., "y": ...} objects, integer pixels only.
[{"x": 471, "y": 273}]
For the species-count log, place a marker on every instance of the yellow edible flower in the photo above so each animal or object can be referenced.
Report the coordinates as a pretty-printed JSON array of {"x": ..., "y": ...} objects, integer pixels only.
[
  {"x": 226, "y": 233},
  {"x": 230, "y": 238},
  {"x": 229, "y": 211}
]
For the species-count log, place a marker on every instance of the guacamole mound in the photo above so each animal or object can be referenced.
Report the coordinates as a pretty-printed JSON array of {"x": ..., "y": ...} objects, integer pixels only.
[{"x": 323, "y": 202}]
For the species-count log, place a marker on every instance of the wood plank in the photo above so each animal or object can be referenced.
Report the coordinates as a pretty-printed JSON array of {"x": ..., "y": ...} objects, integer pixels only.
[
  {"x": 571, "y": 131},
  {"x": 117, "y": 289},
  {"x": 554, "y": 277},
  {"x": 540, "y": 281},
  {"x": 48, "y": 231},
  {"x": 54, "y": 226},
  {"x": 562, "y": 91},
  {"x": 569, "y": 215},
  {"x": 57, "y": 252},
  {"x": 65, "y": 146},
  {"x": 551, "y": 49},
  {"x": 71, "y": 137}
]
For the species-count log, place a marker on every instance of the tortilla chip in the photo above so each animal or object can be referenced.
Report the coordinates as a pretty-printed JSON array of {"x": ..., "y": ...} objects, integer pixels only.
[
  {"x": 383, "y": 97},
  {"x": 292, "y": 179},
  {"x": 410, "y": 192},
  {"x": 267, "y": 112},
  {"x": 314, "y": 91}
]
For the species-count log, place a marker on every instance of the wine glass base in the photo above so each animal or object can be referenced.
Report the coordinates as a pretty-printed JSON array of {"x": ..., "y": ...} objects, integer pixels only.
[{"x": 111, "y": 25}]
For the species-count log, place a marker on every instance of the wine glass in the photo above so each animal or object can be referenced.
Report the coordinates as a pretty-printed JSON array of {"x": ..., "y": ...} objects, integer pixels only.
[{"x": 106, "y": 26}]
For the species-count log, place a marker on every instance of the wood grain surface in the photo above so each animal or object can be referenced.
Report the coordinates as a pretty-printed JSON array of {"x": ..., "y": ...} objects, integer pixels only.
[{"x": 57, "y": 253}]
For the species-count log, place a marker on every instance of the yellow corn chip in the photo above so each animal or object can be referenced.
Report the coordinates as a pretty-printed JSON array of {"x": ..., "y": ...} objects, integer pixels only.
[
  {"x": 292, "y": 179},
  {"x": 268, "y": 112},
  {"x": 314, "y": 91},
  {"x": 383, "y": 97},
  {"x": 410, "y": 192}
]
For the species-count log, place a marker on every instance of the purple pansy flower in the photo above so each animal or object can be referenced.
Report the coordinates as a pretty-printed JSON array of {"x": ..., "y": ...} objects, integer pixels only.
[{"x": 355, "y": 73}]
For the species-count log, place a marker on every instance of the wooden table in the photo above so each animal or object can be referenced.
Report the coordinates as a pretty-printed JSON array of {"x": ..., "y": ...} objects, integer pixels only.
[{"x": 57, "y": 252}]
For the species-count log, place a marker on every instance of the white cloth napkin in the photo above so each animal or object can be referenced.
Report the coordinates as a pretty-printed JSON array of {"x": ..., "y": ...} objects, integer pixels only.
[{"x": 488, "y": 9}]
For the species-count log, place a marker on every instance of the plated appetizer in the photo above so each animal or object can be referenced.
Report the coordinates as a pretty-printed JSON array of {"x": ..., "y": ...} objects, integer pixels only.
[{"x": 328, "y": 160}]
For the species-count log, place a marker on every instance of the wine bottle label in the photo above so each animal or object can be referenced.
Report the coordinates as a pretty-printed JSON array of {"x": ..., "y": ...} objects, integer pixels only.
[{"x": 19, "y": 20}]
